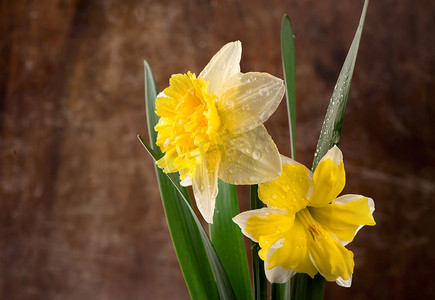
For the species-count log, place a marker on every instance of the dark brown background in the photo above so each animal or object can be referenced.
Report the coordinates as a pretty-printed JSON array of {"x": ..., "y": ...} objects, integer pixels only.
[{"x": 80, "y": 214}]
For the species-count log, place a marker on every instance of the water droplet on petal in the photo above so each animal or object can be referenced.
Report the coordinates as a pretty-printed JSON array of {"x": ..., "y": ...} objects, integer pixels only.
[
  {"x": 167, "y": 142},
  {"x": 245, "y": 107},
  {"x": 254, "y": 178},
  {"x": 275, "y": 196},
  {"x": 286, "y": 188},
  {"x": 229, "y": 105},
  {"x": 263, "y": 92},
  {"x": 256, "y": 154}
]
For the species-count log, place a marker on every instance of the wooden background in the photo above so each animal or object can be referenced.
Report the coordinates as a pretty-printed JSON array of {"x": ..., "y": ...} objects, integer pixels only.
[{"x": 80, "y": 215}]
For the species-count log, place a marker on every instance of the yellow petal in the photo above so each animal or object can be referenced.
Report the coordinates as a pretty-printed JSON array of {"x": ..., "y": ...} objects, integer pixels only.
[
  {"x": 345, "y": 216},
  {"x": 248, "y": 100},
  {"x": 263, "y": 221},
  {"x": 329, "y": 178},
  {"x": 329, "y": 256},
  {"x": 277, "y": 274},
  {"x": 223, "y": 64},
  {"x": 289, "y": 191},
  {"x": 293, "y": 255},
  {"x": 205, "y": 184},
  {"x": 249, "y": 158}
]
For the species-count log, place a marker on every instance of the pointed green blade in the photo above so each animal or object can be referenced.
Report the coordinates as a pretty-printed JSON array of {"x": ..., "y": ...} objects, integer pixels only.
[
  {"x": 289, "y": 70},
  {"x": 202, "y": 270},
  {"x": 282, "y": 291},
  {"x": 228, "y": 241},
  {"x": 331, "y": 129},
  {"x": 303, "y": 286}
]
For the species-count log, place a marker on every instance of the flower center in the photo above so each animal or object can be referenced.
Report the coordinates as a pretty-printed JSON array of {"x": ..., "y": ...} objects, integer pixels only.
[
  {"x": 189, "y": 123},
  {"x": 307, "y": 220}
]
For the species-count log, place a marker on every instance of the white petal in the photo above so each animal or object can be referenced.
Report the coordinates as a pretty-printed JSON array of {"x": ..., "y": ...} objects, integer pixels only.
[
  {"x": 277, "y": 274},
  {"x": 223, "y": 64},
  {"x": 349, "y": 198},
  {"x": 344, "y": 283},
  {"x": 242, "y": 218},
  {"x": 205, "y": 186},
  {"x": 250, "y": 158},
  {"x": 162, "y": 95},
  {"x": 187, "y": 181},
  {"x": 287, "y": 160},
  {"x": 334, "y": 154},
  {"x": 248, "y": 100}
]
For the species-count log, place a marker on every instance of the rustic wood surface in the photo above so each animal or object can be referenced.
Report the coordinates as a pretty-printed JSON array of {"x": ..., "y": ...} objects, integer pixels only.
[{"x": 80, "y": 214}]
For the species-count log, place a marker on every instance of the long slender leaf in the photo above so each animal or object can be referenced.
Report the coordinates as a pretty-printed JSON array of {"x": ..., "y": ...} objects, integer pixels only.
[
  {"x": 202, "y": 270},
  {"x": 228, "y": 241},
  {"x": 186, "y": 238},
  {"x": 259, "y": 277},
  {"x": 289, "y": 70},
  {"x": 331, "y": 129},
  {"x": 282, "y": 291},
  {"x": 223, "y": 284},
  {"x": 303, "y": 285}
]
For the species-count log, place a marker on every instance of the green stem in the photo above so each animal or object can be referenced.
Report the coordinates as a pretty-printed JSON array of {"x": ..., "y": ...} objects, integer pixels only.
[
  {"x": 259, "y": 277},
  {"x": 280, "y": 291},
  {"x": 305, "y": 287}
]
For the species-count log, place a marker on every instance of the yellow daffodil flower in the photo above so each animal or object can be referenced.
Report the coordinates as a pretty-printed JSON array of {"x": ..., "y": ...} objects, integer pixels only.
[
  {"x": 304, "y": 227},
  {"x": 211, "y": 127}
]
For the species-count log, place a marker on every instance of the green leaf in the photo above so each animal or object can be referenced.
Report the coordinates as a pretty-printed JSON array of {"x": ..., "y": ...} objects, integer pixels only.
[
  {"x": 331, "y": 129},
  {"x": 289, "y": 69},
  {"x": 303, "y": 286},
  {"x": 202, "y": 270},
  {"x": 282, "y": 291},
  {"x": 228, "y": 241},
  {"x": 259, "y": 277},
  {"x": 223, "y": 284}
]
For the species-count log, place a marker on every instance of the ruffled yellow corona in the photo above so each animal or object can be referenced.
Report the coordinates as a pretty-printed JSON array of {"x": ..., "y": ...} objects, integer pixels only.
[
  {"x": 211, "y": 127},
  {"x": 304, "y": 227}
]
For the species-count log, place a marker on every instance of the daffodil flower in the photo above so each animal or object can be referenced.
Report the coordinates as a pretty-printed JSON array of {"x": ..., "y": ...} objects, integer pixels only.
[
  {"x": 304, "y": 227},
  {"x": 211, "y": 127}
]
